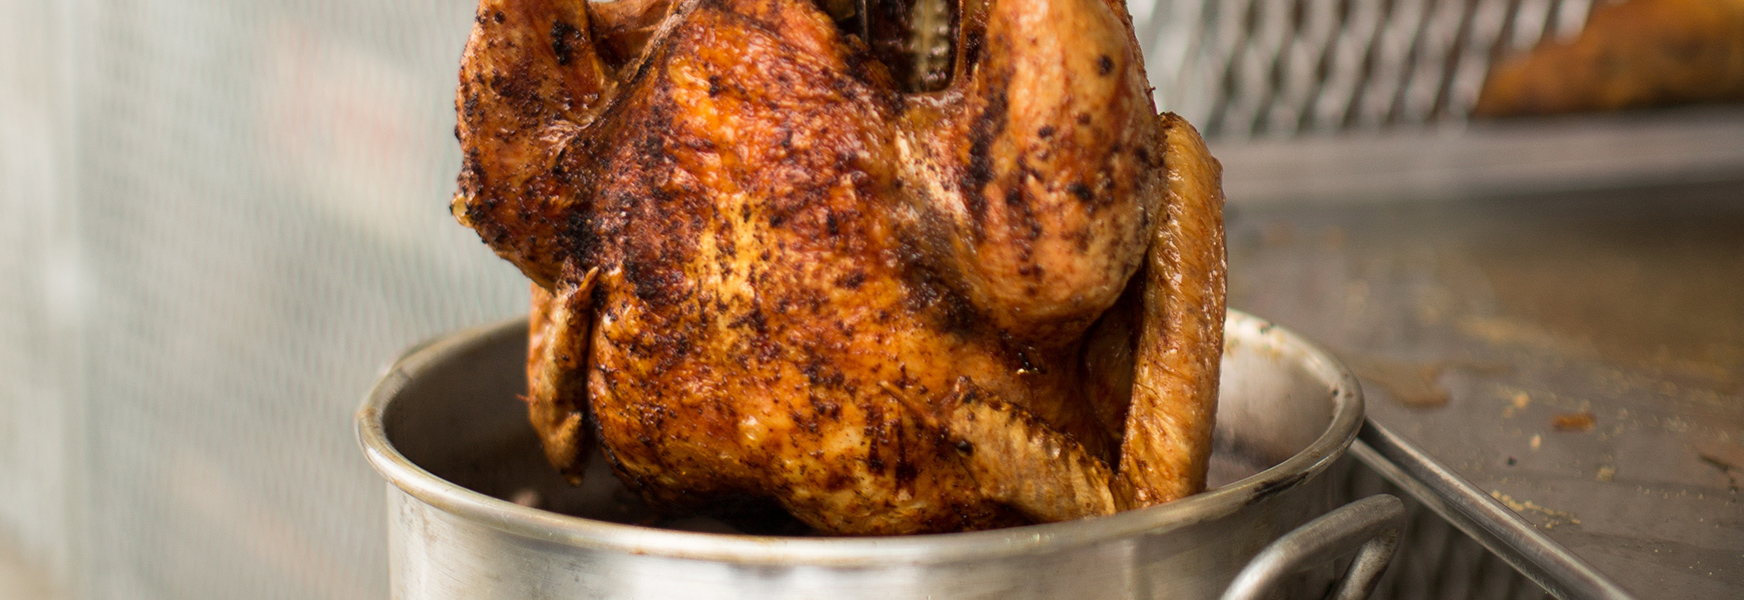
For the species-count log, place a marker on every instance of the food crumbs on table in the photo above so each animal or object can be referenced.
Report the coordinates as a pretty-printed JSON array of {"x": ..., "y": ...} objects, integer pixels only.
[{"x": 1579, "y": 421}]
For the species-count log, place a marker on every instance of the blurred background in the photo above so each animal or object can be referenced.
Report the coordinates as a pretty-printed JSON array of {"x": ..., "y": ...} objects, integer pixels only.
[{"x": 223, "y": 219}]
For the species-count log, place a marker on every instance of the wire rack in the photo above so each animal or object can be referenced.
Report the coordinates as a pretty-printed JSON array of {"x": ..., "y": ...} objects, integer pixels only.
[
  {"x": 1435, "y": 560},
  {"x": 223, "y": 218},
  {"x": 1245, "y": 68}
]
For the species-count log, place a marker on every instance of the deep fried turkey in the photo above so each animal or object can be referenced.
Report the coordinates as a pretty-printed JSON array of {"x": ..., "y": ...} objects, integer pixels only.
[{"x": 766, "y": 268}]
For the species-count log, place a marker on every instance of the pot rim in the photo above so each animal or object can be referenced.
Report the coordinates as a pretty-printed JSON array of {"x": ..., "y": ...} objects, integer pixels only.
[{"x": 851, "y": 552}]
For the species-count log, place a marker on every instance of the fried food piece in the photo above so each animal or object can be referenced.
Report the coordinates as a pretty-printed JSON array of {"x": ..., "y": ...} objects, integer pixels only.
[{"x": 1636, "y": 54}]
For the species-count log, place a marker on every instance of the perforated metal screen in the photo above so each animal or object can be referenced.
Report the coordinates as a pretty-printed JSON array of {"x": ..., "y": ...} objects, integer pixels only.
[
  {"x": 1248, "y": 68},
  {"x": 219, "y": 220},
  {"x": 223, "y": 218}
]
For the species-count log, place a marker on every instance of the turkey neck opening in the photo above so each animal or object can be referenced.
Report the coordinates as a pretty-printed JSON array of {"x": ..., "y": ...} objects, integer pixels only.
[{"x": 916, "y": 40}]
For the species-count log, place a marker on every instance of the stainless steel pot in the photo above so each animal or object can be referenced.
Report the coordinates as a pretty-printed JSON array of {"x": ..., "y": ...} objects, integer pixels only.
[{"x": 446, "y": 430}]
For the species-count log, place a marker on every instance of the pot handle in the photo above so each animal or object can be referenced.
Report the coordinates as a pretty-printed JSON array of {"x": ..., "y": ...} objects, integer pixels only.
[{"x": 1371, "y": 526}]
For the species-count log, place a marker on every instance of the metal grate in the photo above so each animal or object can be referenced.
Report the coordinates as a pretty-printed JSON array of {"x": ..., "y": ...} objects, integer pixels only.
[
  {"x": 225, "y": 217},
  {"x": 1247, "y": 68},
  {"x": 1435, "y": 560}
]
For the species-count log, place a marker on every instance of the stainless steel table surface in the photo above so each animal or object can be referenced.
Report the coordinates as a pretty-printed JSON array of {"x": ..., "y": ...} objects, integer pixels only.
[{"x": 1578, "y": 356}]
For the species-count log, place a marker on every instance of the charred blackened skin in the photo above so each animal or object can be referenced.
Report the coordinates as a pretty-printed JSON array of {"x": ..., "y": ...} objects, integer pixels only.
[
  {"x": 987, "y": 127},
  {"x": 1080, "y": 190},
  {"x": 853, "y": 280},
  {"x": 971, "y": 48},
  {"x": 928, "y": 293},
  {"x": 582, "y": 237},
  {"x": 565, "y": 38},
  {"x": 794, "y": 260}
]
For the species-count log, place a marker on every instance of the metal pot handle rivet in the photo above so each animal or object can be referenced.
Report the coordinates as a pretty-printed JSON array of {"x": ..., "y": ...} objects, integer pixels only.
[{"x": 1370, "y": 526}]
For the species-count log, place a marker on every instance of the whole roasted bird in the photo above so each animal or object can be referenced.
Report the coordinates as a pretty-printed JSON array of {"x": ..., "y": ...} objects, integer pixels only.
[{"x": 766, "y": 268}]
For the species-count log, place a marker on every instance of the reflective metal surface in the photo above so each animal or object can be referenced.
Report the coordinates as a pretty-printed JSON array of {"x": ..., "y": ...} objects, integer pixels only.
[
  {"x": 1370, "y": 527},
  {"x": 1481, "y": 161},
  {"x": 1487, "y": 332},
  {"x": 1483, "y": 518},
  {"x": 1277, "y": 68},
  {"x": 446, "y": 414}
]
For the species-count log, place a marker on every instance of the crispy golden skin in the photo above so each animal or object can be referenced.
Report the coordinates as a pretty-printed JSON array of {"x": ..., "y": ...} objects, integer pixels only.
[
  {"x": 1635, "y": 54},
  {"x": 782, "y": 278}
]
